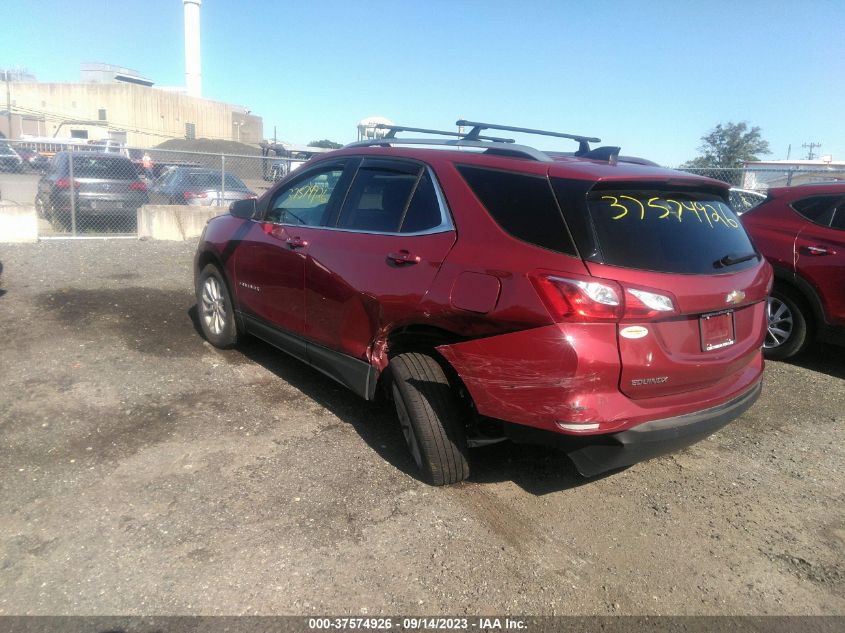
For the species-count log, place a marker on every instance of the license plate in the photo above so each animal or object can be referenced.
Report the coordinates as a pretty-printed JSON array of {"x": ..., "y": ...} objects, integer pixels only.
[
  {"x": 717, "y": 330},
  {"x": 103, "y": 205}
]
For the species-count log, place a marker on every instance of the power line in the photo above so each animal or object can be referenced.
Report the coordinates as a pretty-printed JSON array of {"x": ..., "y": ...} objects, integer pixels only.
[{"x": 810, "y": 147}]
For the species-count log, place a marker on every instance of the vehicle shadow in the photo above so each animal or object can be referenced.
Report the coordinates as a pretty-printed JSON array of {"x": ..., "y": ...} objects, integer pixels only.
[
  {"x": 538, "y": 470},
  {"x": 373, "y": 421},
  {"x": 826, "y": 359}
]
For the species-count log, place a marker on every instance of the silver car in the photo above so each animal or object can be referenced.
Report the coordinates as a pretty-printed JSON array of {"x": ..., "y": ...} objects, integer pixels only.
[{"x": 198, "y": 186}]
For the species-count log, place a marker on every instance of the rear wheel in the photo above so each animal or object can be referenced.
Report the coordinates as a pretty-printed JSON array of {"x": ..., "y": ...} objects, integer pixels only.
[
  {"x": 787, "y": 318},
  {"x": 430, "y": 417},
  {"x": 40, "y": 207},
  {"x": 215, "y": 309}
]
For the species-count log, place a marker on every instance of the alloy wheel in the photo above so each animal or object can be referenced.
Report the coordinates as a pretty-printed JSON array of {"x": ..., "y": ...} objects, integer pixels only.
[
  {"x": 213, "y": 306},
  {"x": 779, "y": 322}
]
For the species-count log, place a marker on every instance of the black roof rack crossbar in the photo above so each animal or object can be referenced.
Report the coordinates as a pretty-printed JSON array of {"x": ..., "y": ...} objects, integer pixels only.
[
  {"x": 473, "y": 134},
  {"x": 393, "y": 129}
]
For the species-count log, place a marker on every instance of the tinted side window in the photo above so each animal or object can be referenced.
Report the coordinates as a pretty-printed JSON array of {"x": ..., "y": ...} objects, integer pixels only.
[
  {"x": 424, "y": 211},
  {"x": 522, "y": 205},
  {"x": 818, "y": 209},
  {"x": 305, "y": 201},
  {"x": 377, "y": 200}
]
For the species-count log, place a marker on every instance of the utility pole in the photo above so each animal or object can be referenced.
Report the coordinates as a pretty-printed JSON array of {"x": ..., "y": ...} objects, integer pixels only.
[
  {"x": 8, "y": 102},
  {"x": 810, "y": 147}
]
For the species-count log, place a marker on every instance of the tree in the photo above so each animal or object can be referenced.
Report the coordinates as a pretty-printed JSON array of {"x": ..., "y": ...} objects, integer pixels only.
[
  {"x": 325, "y": 143},
  {"x": 729, "y": 145}
]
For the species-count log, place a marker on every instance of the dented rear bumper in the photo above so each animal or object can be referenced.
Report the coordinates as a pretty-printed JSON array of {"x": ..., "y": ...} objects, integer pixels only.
[{"x": 658, "y": 437}]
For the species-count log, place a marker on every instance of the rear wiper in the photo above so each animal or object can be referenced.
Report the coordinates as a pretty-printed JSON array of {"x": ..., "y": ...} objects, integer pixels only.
[{"x": 730, "y": 259}]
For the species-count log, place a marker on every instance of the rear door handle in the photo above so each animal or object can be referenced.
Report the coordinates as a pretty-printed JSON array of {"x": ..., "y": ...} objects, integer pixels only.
[
  {"x": 296, "y": 242},
  {"x": 403, "y": 257},
  {"x": 817, "y": 250}
]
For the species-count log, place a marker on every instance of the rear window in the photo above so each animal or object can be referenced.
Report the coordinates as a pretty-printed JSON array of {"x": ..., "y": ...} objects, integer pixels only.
[
  {"x": 523, "y": 205},
  {"x": 668, "y": 231},
  {"x": 105, "y": 167}
]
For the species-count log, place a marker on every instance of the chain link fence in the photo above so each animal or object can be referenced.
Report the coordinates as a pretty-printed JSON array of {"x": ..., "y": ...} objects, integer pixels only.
[{"x": 95, "y": 189}]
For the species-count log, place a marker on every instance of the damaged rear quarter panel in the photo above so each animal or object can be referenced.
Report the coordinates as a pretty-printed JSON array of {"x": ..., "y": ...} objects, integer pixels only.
[{"x": 541, "y": 375}]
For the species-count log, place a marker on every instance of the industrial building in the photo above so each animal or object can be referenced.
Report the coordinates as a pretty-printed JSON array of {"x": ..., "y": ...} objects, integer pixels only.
[{"x": 116, "y": 103}]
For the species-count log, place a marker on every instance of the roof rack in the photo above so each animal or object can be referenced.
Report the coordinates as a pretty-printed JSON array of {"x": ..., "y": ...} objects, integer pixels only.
[
  {"x": 503, "y": 148},
  {"x": 583, "y": 141},
  {"x": 491, "y": 144},
  {"x": 393, "y": 129}
]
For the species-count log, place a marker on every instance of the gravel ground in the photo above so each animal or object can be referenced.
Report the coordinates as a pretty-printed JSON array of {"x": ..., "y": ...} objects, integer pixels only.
[{"x": 144, "y": 472}]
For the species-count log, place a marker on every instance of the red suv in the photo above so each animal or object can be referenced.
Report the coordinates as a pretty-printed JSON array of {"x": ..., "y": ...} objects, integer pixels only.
[
  {"x": 801, "y": 231},
  {"x": 494, "y": 291}
]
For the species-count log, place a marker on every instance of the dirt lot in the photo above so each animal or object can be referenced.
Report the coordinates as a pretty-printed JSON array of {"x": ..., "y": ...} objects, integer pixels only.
[{"x": 143, "y": 472}]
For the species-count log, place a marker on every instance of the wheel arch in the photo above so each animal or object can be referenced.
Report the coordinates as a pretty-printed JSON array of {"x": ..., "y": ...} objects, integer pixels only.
[
  {"x": 210, "y": 256},
  {"x": 423, "y": 338},
  {"x": 793, "y": 281}
]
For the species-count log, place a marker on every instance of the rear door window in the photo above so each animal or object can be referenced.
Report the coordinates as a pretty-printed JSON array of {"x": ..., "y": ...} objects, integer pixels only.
[
  {"x": 523, "y": 205},
  {"x": 666, "y": 230},
  {"x": 392, "y": 196},
  {"x": 817, "y": 209}
]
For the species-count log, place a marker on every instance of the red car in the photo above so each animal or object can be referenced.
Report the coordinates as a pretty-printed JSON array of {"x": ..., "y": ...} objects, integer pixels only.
[
  {"x": 495, "y": 292},
  {"x": 801, "y": 231}
]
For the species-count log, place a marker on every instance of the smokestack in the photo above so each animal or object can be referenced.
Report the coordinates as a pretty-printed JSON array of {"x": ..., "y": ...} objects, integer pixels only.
[{"x": 193, "y": 68}]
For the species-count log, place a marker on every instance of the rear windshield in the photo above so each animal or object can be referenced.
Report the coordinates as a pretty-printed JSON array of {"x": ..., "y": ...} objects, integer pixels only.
[
  {"x": 105, "y": 167},
  {"x": 668, "y": 231},
  {"x": 212, "y": 181}
]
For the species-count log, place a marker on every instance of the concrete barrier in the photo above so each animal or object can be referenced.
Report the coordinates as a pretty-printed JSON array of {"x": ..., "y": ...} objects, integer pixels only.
[
  {"x": 18, "y": 222},
  {"x": 174, "y": 222}
]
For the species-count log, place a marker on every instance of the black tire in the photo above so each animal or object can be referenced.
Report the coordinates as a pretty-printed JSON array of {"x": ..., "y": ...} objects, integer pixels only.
[
  {"x": 215, "y": 309},
  {"x": 431, "y": 419},
  {"x": 789, "y": 326}
]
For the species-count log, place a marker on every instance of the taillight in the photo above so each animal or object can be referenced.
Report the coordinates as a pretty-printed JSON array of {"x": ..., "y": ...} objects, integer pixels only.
[
  {"x": 189, "y": 195},
  {"x": 593, "y": 299},
  {"x": 645, "y": 304},
  {"x": 64, "y": 183},
  {"x": 579, "y": 299},
  {"x": 137, "y": 185}
]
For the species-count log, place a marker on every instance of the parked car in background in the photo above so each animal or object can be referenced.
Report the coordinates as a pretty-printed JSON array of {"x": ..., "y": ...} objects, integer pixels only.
[
  {"x": 494, "y": 292},
  {"x": 743, "y": 200},
  {"x": 103, "y": 186},
  {"x": 10, "y": 160},
  {"x": 33, "y": 159},
  {"x": 801, "y": 231},
  {"x": 199, "y": 187}
]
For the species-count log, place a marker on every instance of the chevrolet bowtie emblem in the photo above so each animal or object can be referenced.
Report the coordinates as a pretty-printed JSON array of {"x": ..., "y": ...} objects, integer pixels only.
[{"x": 735, "y": 296}]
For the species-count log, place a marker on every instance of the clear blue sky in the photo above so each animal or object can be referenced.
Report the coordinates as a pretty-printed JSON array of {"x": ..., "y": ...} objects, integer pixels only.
[{"x": 652, "y": 77}]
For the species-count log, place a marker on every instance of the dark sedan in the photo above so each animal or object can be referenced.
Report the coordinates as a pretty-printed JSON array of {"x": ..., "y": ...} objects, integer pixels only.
[{"x": 10, "y": 160}]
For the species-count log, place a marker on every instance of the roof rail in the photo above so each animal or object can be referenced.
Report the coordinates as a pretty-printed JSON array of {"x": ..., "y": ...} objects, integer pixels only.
[
  {"x": 473, "y": 134},
  {"x": 393, "y": 129},
  {"x": 503, "y": 149}
]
